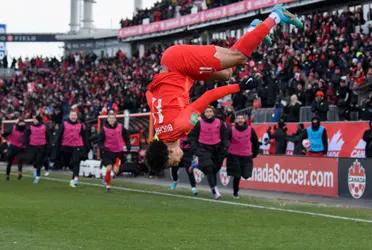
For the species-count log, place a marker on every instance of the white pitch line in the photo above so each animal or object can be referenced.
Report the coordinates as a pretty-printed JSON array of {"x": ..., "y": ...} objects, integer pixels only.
[{"x": 293, "y": 211}]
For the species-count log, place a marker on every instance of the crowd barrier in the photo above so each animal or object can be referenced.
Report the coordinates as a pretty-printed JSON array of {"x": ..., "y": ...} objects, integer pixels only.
[
  {"x": 329, "y": 177},
  {"x": 344, "y": 138}
]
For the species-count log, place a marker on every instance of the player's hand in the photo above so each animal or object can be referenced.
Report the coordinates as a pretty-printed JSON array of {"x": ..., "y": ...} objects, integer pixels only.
[{"x": 248, "y": 84}]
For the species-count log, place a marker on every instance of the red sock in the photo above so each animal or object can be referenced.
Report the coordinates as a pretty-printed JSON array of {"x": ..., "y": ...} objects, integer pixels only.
[
  {"x": 108, "y": 177},
  {"x": 251, "y": 40}
]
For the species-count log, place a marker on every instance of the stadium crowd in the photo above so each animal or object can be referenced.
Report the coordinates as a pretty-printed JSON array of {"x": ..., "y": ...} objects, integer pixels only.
[
  {"x": 166, "y": 9},
  {"x": 326, "y": 63}
]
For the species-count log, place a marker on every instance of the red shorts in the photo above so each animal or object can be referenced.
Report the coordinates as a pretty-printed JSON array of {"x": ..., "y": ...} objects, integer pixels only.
[{"x": 196, "y": 61}]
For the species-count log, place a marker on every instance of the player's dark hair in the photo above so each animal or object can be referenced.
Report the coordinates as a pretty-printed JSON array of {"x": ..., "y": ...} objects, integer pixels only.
[{"x": 156, "y": 157}]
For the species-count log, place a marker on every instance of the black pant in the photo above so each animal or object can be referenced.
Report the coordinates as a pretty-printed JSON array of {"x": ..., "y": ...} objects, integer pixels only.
[
  {"x": 71, "y": 158},
  {"x": 210, "y": 162},
  {"x": 13, "y": 153},
  {"x": 190, "y": 175},
  {"x": 185, "y": 163},
  {"x": 37, "y": 157}
]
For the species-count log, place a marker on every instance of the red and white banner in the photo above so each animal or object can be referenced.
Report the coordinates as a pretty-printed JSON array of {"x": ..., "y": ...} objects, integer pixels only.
[
  {"x": 344, "y": 138},
  {"x": 305, "y": 175},
  {"x": 200, "y": 17}
]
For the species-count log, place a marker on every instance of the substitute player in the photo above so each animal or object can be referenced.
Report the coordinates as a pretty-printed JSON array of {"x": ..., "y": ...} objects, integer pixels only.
[
  {"x": 209, "y": 143},
  {"x": 17, "y": 145},
  {"x": 168, "y": 93},
  {"x": 37, "y": 138},
  {"x": 244, "y": 146},
  {"x": 113, "y": 137},
  {"x": 72, "y": 143},
  {"x": 186, "y": 164}
]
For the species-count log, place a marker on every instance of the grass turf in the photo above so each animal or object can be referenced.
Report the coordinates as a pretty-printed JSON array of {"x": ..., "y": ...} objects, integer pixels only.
[{"x": 53, "y": 216}]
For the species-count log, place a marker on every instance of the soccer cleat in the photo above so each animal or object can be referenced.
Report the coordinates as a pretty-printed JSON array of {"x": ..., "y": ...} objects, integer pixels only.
[
  {"x": 194, "y": 191},
  {"x": 267, "y": 40},
  {"x": 7, "y": 178},
  {"x": 287, "y": 17},
  {"x": 108, "y": 188},
  {"x": 216, "y": 196},
  {"x": 248, "y": 84},
  {"x": 46, "y": 174},
  {"x": 19, "y": 176},
  {"x": 72, "y": 184},
  {"x": 76, "y": 182},
  {"x": 36, "y": 180},
  {"x": 173, "y": 185},
  {"x": 236, "y": 197},
  {"x": 216, "y": 193}
]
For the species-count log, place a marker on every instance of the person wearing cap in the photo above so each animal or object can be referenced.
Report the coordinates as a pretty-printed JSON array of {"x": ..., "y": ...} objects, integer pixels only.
[
  {"x": 209, "y": 142},
  {"x": 367, "y": 137},
  {"x": 36, "y": 139},
  {"x": 317, "y": 135},
  {"x": 17, "y": 145},
  {"x": 319, "y": 106}
]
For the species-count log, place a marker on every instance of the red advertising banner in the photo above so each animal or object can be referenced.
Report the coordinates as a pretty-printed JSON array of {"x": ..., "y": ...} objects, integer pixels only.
[
  {"x": 305, "y": 175},
  {"x": 344, "y": 138},
  {"x": 200, "y": 17}
]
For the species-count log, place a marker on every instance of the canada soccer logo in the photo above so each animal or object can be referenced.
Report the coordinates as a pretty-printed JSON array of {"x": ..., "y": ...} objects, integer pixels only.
[
  {"x": 225, "y": 179},
  {"x": 357, "y": 180}
]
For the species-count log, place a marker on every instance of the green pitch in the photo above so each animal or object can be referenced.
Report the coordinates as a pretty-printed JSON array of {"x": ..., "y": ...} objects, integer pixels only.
[{"x": 51, "y": 215}]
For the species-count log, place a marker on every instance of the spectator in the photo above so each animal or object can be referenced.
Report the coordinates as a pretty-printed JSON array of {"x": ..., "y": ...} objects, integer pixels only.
[
  {"x": 320, "y": 106},
  {"x": 292, "y": 110},
  {"x": 367, "y": 137},
  {"x": 366, "y": 109},
  {"x": 344, "y": 95}
]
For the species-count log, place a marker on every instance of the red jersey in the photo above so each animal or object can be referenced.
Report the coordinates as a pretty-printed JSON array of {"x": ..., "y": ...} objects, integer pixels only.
[{"x": 168, "y": 96}]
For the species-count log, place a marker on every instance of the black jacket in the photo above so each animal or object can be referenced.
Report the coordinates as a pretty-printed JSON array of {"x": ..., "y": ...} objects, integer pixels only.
[
  {"x": 28, "y": 134},
  {"x": 320, "y": 109},
  {"x": 100, "y": 138},
  {"x": 367, "y": 137},
  {"x": 281, "y": 139},
  {"x": 194, "y": 137},
  {"x": 254, "y": 138},
  {"x": 297, "y": 138},
  {"x": 83, "y": 133}
]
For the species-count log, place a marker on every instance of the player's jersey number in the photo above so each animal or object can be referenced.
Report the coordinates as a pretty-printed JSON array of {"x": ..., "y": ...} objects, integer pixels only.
[{"x": 157, "y": 107}]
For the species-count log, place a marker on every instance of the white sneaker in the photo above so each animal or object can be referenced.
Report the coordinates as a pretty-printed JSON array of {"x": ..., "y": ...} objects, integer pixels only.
[
  {"x": 46, "y": 174},
  {"x": 36, "y": 180},
  {"x": 76, "y": 181},
  {"x": 194, "y": 191},
  {"x": 217, "y": 194},
  {"x": 72, "y": 184}
]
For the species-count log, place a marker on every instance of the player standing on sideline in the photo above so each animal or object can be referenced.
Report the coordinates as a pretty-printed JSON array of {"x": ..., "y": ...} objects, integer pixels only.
[
  {"x": 17, "y": 145},
  {"x": 168, "y": 93},
  {"x": 209, "y": 143},
  {"x": 186, "y": 164},
  {"x": 244, "y": 146},
  {"x": 73, "y": 145},
  {"x": 113, "y": 137},
  {"x": 318, "y": 138},
  {"x": 37, "y": 138}
]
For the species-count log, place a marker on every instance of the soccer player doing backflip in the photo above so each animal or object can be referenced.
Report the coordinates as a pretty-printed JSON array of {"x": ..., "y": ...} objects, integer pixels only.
[{"x": 168, "y": 94}]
